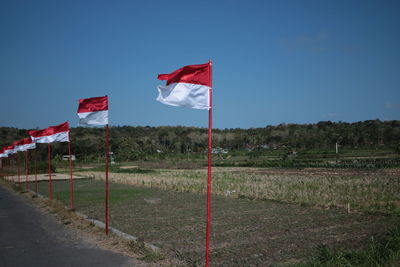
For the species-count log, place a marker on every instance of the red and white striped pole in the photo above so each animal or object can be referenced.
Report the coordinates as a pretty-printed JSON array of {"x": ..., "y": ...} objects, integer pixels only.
[
  {"x": 49, "y": 164},
  {"x": 209, "y": 170},
  {"x": 106, "y": 198}
]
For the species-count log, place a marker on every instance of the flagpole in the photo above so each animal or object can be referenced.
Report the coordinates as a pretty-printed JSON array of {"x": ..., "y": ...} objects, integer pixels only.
[
  {"x": 10, "y": 163},
  {"x": 209, "y": 170},
  {"x": 5, "y": 173},
  {"x": 26, "y": 171},
  {"x": 12, "y": 168},
  {"x": 71, "y": 185},
  {"x": 36, "y": 185},
  {"x": 11, "y": 172},
  {"x": 106, "y": 199},
  {"x": 19, "y": 172},
  {"x": 16, "y": 169},
  {"x": 49, "y": 163}
]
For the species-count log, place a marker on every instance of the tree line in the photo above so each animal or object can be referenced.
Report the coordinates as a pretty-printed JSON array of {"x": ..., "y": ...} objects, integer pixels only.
[{"x": 138, "y": 142}]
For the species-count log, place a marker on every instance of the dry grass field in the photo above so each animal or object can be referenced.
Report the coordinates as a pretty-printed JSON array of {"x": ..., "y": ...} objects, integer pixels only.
[{"x": 363, "y": 190}]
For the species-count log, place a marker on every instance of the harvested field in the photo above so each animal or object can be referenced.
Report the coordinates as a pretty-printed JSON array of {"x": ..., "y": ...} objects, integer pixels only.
[
  {"x": 363, "y": 190},
  {"x": 244, "y": 232}
]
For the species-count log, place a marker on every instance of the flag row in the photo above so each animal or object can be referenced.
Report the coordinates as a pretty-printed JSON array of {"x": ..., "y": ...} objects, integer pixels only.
[
  {"x": 188, "y": 86},
  {"x": 91, "y": 111}
]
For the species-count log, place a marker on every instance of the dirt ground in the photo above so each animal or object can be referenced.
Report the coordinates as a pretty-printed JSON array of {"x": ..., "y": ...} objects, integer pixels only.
[{"x": 43, "y": 177}]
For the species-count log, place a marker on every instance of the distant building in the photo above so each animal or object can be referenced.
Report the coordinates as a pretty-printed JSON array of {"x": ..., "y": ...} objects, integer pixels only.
[
  {"x": 218, "y": 150},
  {"x": 66, "y": 157}
]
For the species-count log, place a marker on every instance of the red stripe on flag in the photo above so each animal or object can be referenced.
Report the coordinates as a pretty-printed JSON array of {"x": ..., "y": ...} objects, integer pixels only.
[
  {"x": 25, "y": 141},
  {"x": 195, "y": 74},
  {"x": 93, "y": 104},
  {"x": 64, "y": 127}
]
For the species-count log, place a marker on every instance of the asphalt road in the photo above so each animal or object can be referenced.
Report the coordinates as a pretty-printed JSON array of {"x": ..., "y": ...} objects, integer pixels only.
[{"x": 29, "y": 237}]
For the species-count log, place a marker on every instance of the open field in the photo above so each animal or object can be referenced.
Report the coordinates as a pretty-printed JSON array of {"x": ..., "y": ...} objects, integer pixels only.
[
  {"x": 167, "y": 208},
  {"x": 364, "y": 190}
]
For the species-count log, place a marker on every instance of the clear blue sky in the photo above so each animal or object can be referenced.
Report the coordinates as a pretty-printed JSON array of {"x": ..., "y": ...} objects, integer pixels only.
[{"x": 274, "y": 61}]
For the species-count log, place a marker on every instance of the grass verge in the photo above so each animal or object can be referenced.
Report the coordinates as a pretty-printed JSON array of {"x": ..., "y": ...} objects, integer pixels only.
[{"x": 384, "y": 251}]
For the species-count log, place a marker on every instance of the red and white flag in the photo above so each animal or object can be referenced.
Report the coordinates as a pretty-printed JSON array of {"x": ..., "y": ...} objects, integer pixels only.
[
  {"x": 58, "y": 133},
  {"x": 93, "y": 111},
  {"x": 9, "y": 150},
  {"x": 187, "y": 87},
  {"x": 24, "y": 144}
]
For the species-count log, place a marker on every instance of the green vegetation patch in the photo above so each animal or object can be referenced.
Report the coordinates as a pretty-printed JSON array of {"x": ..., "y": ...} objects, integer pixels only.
[
  {"x": 90, "y": 191},
  {"x": 117, "y": 169},
  {"x": 381, "y": 251}
]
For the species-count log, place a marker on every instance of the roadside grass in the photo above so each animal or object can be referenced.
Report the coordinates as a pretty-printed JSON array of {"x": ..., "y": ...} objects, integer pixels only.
[{"x": 244, "y": 232}]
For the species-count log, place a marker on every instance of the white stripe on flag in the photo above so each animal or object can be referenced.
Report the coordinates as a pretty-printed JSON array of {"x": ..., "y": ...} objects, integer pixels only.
[
  {"x": 93, "y": 118},
  {"x": 185, "y": 95},
  {"x": 10, "y": 151},
  {"x": 25, "y": 147},
  {"x": 58, "y": 137}
]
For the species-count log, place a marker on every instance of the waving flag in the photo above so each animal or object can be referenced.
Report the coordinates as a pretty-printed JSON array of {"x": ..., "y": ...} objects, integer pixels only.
[
  {"x": 93, "y": 111},
  {"x": 58, "y": 133},
  {"x": 24, "y": 144},
  {"x": 187, "y": 87},
  {"x": 191, "y": 86}
]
